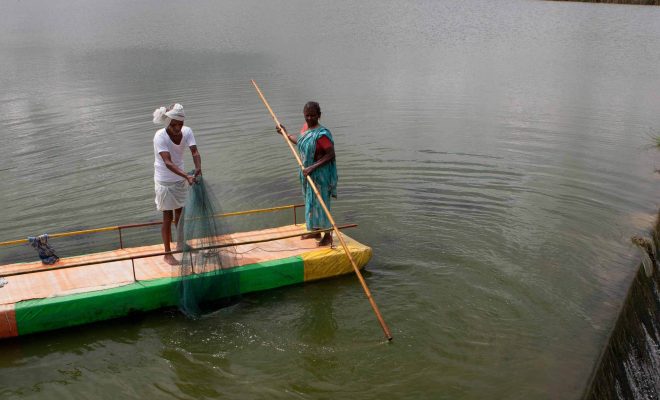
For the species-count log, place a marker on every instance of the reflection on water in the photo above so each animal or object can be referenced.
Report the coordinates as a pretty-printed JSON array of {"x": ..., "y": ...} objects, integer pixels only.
[{"x": 318, "y": 324}]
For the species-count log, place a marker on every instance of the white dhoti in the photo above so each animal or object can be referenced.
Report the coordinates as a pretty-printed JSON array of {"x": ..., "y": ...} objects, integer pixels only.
[{"x": 171, "y": 195}]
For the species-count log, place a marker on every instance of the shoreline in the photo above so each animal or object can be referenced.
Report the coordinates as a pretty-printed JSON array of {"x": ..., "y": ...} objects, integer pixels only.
[{"x": 629, "y": 2}]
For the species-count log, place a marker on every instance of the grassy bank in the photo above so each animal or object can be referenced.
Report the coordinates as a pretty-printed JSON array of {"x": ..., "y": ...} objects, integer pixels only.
[{"x": 640, "y": 2}]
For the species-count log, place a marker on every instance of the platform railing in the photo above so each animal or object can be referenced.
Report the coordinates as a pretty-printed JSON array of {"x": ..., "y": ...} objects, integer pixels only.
[
  {"x": 163, "y": 253},
  {"x": 119, "y": 228}
]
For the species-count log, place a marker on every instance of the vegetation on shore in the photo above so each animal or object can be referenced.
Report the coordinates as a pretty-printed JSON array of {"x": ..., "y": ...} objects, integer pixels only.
[{"x": 639, "y": 2}]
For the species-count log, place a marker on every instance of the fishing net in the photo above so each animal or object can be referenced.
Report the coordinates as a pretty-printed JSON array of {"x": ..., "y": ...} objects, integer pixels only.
[{"x": 205, "y": 277}]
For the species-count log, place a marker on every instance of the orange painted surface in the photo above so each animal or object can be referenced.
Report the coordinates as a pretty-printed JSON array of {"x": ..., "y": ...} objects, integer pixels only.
[
  {"x": 49, "y": 281},
  {"x": 7, "y": 321}
]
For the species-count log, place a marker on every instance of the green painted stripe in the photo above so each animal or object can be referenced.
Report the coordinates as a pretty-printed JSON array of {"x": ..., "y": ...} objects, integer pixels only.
[
  {"x": 263, "y": 276},
  {"x": 58, "y": 312}
]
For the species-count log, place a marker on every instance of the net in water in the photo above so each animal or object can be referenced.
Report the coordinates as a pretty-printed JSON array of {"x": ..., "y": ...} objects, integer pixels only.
[{"x": 205, "y": 277}]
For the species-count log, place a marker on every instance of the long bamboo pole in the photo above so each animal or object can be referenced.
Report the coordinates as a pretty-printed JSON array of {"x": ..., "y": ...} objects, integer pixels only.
[{"x": 383, "y": 325}]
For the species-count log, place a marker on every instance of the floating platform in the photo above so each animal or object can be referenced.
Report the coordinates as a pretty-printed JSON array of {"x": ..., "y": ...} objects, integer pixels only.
[{"x": 105, "y": 285}]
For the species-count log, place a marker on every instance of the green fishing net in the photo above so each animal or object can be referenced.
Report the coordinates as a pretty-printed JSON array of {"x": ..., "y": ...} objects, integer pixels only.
[{"x": 205, "y": 280}]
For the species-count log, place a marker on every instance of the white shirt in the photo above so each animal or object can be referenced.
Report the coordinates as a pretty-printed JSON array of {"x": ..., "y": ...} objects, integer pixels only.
[{"x": 162, "y": 142}]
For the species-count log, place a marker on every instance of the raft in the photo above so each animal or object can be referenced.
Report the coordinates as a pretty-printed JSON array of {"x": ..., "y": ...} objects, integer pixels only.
[{"x": 112, "y": 284}]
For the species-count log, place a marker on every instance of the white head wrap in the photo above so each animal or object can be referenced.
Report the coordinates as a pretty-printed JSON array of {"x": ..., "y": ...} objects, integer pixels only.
[{"x": 163, "y": 116}]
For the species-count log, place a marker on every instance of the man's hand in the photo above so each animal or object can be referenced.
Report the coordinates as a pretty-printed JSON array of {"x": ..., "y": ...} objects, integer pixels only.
[
  {"x": 191, "y": 180},
  {"x": 198, "y": 172}
]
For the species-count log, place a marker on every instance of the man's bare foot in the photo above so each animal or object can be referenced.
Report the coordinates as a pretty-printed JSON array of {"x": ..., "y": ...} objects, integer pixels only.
[
  {"x": 327, "y": 240},
  {"x": 168, "y": 258},
  {"x": 311, "y": 236}
]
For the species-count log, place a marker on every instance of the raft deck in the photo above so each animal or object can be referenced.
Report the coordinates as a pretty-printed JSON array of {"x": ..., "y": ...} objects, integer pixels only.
[{"x": 39, "y": 298}]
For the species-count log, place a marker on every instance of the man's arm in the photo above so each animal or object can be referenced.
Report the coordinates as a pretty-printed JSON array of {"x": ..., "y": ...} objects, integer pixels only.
[
  {"x": 167, "y": 159},
  {"x": 197, "y": 159}
]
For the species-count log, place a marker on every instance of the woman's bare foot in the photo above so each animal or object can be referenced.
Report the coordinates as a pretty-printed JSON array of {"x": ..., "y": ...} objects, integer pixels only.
[
  {"x": 168, "y": 258},
  {"x": 327, "y": 240},
  {"x": 316, "y": 235}
]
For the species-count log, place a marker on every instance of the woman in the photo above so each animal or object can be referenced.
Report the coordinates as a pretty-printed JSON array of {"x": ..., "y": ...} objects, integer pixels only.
[{"x": 317, "y": 152}]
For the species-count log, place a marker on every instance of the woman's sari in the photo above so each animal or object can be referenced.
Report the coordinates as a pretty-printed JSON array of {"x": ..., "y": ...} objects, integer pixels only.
[{"x": 325, "y": 178}]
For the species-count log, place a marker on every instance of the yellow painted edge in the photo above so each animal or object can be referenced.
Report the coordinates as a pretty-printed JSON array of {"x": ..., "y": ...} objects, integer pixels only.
[{"x": 325, "y": 263}]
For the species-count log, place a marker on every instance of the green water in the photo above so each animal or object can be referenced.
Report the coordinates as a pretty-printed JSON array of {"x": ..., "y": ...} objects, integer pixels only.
[{"x": 494, "y": 154}]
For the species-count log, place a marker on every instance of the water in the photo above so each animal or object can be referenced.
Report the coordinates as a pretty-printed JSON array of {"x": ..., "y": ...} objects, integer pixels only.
[{"x": 494, "y": 154}]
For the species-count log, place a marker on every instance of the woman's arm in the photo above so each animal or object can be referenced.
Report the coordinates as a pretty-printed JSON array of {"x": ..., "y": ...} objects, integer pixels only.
[
  {"x": 328, "y": 156},
  {"x": 282, "y": 131}
]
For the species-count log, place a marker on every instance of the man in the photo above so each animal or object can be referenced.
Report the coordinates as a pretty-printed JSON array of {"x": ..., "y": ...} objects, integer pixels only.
[{"x": 171, "y": 181}]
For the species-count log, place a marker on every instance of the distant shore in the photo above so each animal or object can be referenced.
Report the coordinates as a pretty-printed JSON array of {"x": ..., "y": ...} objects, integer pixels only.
[{"x": 638, "y": 2}]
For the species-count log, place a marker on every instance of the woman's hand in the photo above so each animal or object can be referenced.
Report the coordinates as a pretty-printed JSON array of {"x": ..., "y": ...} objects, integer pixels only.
[
  {"x": 308, "y": 170},
  {"x": 282, "y": 131},
  {"x": 198, "y": 172}
]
